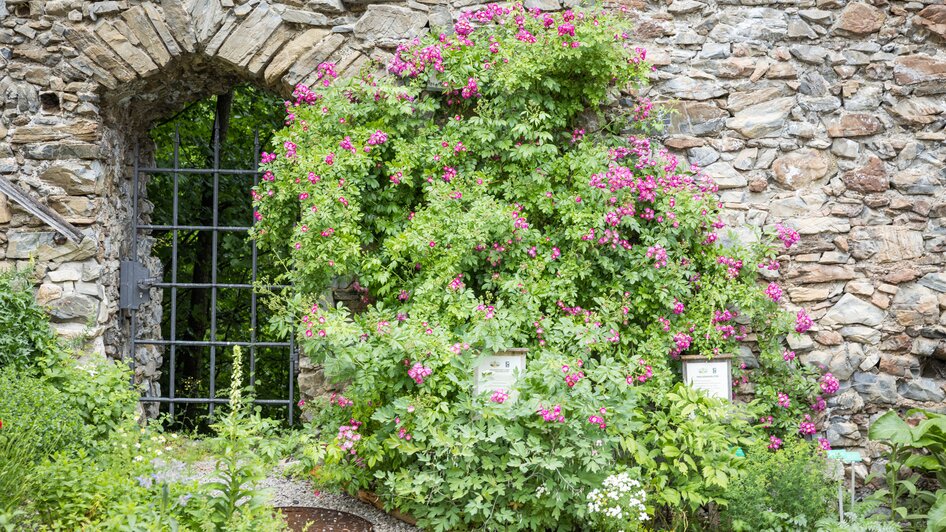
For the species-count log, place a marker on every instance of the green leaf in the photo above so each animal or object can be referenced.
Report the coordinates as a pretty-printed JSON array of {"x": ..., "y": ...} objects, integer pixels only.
[
  {"x": 891, "y": 428},
  {"x": 936, "y": 518}
]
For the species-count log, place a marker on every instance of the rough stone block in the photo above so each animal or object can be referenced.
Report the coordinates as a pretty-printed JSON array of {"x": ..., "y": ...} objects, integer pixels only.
[
  {"x": 250, "y": 36},
  {"x": 918, "y": 68},
  {"x": 42, "y": 245},
  {"x": 876, "y": 388},
  {"x": 886, "y": 243},
  {"x": 288, "y": 55},
  {"x": 389, "y": 23}
]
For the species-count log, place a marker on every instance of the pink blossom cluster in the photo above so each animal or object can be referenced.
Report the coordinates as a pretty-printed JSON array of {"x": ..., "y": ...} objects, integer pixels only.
[
  {"x": 771, "y": 265},
  {"x": 802, "y": 321},
  {"x": 774, "y": 291},
  {"x": 659, "y": 254},
  {"x": 571, "y": 379},
  {"x": 418, "y": 372},
  {"x": 597, "y": 420},
  {"x": 449, "y": 173},
  {"x": 470, "y": 90},
  {"x": 678, "y": 307},
  {"x": 487, "y": 311},
  {"x": 819, "y": 404},
  {"x": 303, "y": 95},
  {"x": 681, "y": 342},
  {"x": 377, "y": 138},
  {"x": 457, "y": 283},
  {"x": 806, "y": 427},
  {"x": 290, "y": 149},
  {"x": 553, "y": 415},
  {"x": 723, "y": 317},
  {"x": 783, "y": 400},
  {"x": 733, "y": 266},
  {"x": 339, "y": 400},
  {"x": 642, "y": 109},
  {"x": 348, "y": 436},
  {"x": 410, "y": 59},
  {"x": 830, "y": 384},
  {"x": 326, "y": 73},
  {"x": 787, "y": 235},
  {"x": 499, "y": 396},
  {"x": 775, "y": 443},
  {"x": 266, "y": 158},
  {"x": 824, "y": 444},
  {"x": 403, "y": 434},
  {"x": 458, "y": 348},
  {"x": 646, "y": 372}
]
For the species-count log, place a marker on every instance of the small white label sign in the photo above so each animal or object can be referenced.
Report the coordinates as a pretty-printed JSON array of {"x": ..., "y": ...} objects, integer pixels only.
[
  {"x": 712, "y": 377},
  {"x": 498, "y": 372}
]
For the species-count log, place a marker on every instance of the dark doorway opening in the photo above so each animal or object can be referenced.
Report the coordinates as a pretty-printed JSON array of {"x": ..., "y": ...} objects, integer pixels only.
[{"x": 198, "y": 183}]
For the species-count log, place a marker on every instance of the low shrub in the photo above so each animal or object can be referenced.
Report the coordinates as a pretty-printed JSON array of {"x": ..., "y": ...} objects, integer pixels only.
[
  {"x": 96, "y": 388},
  {"x": 35, "y": 422},
  {"x": 25, "y": 335},
  {"x": 784, "y": 490}
]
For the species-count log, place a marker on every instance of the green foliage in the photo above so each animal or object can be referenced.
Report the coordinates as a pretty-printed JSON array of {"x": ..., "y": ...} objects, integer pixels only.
[
  {"x": 687, "y": 448},
  {"x": 486, "y": 200},
  {"x": 913, "y": 450},
  {"x": 781, "y": 491},
  {"x": 130, "y": 481},
  {"x": 25, "y": 334},
  {"x": 95, "y": 388},
  {"x": 864, "y": 517},
  {"x": 36, "y": 422}
]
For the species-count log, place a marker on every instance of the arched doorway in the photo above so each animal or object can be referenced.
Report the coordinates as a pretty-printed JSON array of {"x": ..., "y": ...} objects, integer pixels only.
[{"x": 193, "y": 213}]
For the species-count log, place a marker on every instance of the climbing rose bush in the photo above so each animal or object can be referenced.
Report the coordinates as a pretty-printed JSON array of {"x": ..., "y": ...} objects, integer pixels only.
[{"x": 479, "y": 197}]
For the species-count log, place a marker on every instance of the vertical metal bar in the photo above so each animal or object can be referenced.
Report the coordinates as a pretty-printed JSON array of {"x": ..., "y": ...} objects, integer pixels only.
[
  {"x": 292, "y": 376},
  {"x": 213, "y": 262},
  {"x": 852, "y": 485},
  {"x": 252, "y": 242},
  {"x": 174, "y": 222},
  {"x": 133, "y": 329}
]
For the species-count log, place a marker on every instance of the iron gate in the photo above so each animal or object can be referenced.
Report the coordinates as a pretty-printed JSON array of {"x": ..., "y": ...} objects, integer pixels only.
[{"x": 137, "y": 282}]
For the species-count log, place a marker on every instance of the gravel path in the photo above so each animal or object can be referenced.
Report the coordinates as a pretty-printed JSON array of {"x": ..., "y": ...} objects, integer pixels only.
[{"x": 295, "y": 492}]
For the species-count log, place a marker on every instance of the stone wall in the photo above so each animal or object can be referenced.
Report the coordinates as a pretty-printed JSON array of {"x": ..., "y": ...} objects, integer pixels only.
[{"x": 824, "y": 113}]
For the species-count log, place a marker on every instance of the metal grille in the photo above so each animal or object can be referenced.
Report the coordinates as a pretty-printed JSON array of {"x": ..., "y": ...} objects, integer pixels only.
[{"x": 137, "y": 283}]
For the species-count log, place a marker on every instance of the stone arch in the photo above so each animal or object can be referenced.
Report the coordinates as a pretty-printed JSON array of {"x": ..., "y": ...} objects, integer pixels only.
[{"x": 125, "y": 65}]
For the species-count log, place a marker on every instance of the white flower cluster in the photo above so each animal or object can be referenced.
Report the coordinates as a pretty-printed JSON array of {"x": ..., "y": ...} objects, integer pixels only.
[{"x": 620, "y": 498}]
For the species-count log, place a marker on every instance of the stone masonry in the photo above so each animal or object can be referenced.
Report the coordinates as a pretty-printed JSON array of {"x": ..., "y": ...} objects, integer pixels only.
[{"x": 826, "y": 114}]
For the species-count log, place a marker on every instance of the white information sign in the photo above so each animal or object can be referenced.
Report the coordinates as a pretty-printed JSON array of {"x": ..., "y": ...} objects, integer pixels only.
[
  {"x": 712, "y": 376},
  {"x": 499, "y": 372}
]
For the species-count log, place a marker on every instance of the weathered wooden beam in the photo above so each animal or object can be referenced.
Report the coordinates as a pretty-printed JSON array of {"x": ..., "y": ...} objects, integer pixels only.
[{"x": 37, "y": 209}]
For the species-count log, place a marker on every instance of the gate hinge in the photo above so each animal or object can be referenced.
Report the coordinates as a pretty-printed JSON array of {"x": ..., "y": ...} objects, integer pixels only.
[{"x": 135, "y": 281}]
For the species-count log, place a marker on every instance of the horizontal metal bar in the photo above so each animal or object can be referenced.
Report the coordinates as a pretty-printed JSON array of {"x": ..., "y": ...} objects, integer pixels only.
[
  {"x": 219, "y": 400},
  {"x": 204, "y": 171},
  {"x": 216, "y": 285},
  {"x": 194, "y": 228},
  {"x": 216, "y": 343}
]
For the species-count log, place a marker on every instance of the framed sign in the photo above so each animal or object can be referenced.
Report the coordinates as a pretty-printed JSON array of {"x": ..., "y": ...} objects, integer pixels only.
[
  {"x": 499, "y": 371},
  {"x": 714, "y": 376}
]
